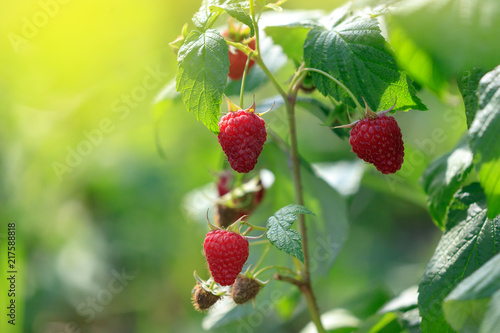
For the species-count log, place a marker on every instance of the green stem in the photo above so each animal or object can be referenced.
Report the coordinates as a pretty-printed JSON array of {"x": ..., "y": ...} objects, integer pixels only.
[
  {"x": 297, "y": 184},
  {"x": 305, "y": 282},
  {"x": 212, "y": 20},
  {"x": 256, "y": 27},
  {"x": 305, "y": 285},
  {"x": 313, "y": 308},
  {"x": 262, "y": 256},
  {"x": 254, "y": 227},
  {"x": 271, "y": 77},
  {"x": 347, "y": 90},
  {"x": 298, "y": 77},
  {"x": 243, "y": 80},
  {"x": 271, "y": 267},
  {"x": 259, "y": 242}
]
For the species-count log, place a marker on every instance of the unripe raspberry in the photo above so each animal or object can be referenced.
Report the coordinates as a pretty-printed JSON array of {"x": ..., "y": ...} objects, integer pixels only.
[
  {"x": 244, "y": 289},
  {"x": 226, "y": 253},
  {"x": 228, "y": 209},
  {"x": 242, "y": 136},
  {"x": 202, "y": 300},
  {"x": 378, "y": 140}
]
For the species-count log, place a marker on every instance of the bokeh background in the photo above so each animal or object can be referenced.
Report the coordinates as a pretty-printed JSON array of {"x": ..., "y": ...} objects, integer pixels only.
[{"x": 82, "y": 76}]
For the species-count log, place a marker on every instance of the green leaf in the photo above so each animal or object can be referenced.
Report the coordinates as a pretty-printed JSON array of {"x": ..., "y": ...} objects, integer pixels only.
[
  {"x": 468, "y": 82},
  {"x": 443, "y": 178},
  {"x": 236, "y": 8},
  {"x": 491, "y": 320},
  {"x": 280, "y": 234},
  {"x": 356, "y": 53},
  {"x": 203, "y": 15},
  {"x": 291, "y": 38},
  {"x": 465, "y": 306},
  {"x": 203, "y": 65},
  {"x": 470, "y": 240},
  {"x": 454, "y": 35},
  {"x": 484, "y": 139}
]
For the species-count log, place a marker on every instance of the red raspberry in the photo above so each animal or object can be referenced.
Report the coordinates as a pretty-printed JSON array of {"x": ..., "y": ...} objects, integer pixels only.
[
  {"x": 226, "y": 253},
  {"x": 224, "y": 183},
  {"x": 242, "y": 136},
  {"x": 379, "y": 141}
]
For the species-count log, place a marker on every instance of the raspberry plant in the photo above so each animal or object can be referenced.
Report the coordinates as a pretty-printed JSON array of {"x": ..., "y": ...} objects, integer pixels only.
[{"x": 341, "y": 59}]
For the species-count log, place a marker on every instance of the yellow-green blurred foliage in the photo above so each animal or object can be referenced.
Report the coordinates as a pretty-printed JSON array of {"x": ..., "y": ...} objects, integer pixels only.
[{"x": 81, "y": 175}]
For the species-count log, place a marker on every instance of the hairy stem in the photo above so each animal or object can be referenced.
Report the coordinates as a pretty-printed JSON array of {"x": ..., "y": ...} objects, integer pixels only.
[
  {"x": 313, "y": 307},
  {"x": 304, "y": 283}
]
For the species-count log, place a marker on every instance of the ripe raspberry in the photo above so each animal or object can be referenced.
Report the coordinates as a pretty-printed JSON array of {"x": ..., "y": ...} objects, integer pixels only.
[
  {"x": 379, "y": 141},
  {"x": 202, "y": 299},
  {"x": 226, "y": 253},
  {"x": 244, "y": 289},
  {"x": 242, "y": 136}
]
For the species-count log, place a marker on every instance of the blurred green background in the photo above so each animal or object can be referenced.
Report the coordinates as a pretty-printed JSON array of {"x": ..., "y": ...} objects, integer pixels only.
[{"x": 82, "y": 76}]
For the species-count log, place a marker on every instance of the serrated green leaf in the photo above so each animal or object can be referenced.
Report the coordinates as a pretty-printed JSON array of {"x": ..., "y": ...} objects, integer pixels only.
[
  {"x": 470, "y": 240},
  {"x": 356, "y": 53},
  {"x": 491, "y": 321},
  {"x": 455, "y": 35},
  {"x": 466, "y": 305},
  {"x": 280, "y": 234},
  {"x": 236, "y": 9},
  {"x": 203, "y": 15},
  {"x": 291, "y": 38},
  {"x": 468, "y": 82},
  {"x": 484, "y": 139},
  {"x": 203, "y": 65},
  {"x": 443, "y": 178}
]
